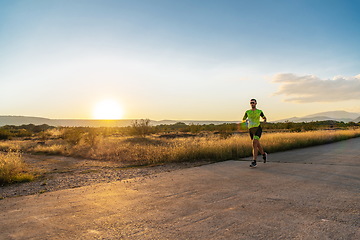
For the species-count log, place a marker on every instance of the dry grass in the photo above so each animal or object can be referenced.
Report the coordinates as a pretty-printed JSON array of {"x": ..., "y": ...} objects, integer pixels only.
[
  {"x": 55, "y": 149},
  {"x": 276, "y": 142},
  {"x": 13, "y": 169},
  {"x": 152, "y": 150},
  {"x": 17, "y": 145}
]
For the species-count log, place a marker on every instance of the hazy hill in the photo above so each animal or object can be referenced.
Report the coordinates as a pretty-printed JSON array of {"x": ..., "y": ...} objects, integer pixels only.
[
  {"x": 357, "y": 120},
  {"x": 188, "y": 122},
  {"x": 20, "y": 120},
  {"x": 336, "y": 114},
  {"x": 323, "y": 116}
]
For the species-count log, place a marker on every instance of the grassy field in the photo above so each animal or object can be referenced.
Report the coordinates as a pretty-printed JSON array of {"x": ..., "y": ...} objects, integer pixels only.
[{"x": 154, "y": 149}]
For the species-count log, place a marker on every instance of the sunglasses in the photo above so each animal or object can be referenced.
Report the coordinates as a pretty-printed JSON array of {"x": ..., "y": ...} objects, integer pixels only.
[{"x": 252, "y": 102}]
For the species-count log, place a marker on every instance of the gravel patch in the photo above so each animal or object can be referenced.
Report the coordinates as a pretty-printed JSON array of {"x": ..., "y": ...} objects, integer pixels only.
[{"x": 59, "y": 172}]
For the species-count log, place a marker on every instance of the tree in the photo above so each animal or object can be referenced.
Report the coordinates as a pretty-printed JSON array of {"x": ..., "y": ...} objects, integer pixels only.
[{"x": 141, "y": 127}]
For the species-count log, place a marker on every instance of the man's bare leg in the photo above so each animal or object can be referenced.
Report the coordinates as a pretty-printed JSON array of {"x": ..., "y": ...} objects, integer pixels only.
[
  {"x": 261, "y": 150},
  {"x": 255, "y": 149}
]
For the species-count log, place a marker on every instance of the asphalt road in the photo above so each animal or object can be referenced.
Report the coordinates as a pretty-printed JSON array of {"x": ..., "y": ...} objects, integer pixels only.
[{"x": 311, "y": 193}]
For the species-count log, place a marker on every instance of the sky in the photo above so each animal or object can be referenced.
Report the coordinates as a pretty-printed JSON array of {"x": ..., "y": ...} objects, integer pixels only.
[{"x": 179, "y": 60}]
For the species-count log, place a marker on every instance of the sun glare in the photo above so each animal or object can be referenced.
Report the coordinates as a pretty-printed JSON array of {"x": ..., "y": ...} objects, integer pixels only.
[{"x": 108, "y": 110}]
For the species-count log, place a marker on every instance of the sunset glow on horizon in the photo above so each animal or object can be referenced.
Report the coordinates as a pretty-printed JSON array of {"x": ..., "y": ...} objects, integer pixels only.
[{"x": 108, "y": 110}]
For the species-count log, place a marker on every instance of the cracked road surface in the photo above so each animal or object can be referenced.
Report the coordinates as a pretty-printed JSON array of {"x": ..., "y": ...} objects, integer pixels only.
[{"x": 311, "y": 193}]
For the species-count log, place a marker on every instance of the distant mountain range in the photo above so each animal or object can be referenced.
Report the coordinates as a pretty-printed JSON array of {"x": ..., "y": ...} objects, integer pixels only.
[
  {"x": 20, "y": 120},
  {"x": 341, "y": 116}
]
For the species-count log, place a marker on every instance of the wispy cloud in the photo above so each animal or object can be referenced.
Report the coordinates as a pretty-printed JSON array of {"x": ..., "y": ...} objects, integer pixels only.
[{"x": 310, "y": 88}]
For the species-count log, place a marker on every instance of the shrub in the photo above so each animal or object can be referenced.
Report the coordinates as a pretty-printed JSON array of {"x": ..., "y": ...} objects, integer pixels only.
[
  {"x": 13, "y": 169},
  {"x": 73, "y": 135},
  {"x": 92, "y": 137},
  {"x": 5, "y": 134}
]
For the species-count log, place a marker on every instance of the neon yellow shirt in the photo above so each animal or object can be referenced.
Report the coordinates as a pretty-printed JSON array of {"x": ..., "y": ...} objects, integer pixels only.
[{"x": 253, "y": 117}]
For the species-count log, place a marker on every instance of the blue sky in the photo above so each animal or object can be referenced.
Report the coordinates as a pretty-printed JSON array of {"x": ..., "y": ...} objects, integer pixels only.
[{"x": 172, "y": 59}]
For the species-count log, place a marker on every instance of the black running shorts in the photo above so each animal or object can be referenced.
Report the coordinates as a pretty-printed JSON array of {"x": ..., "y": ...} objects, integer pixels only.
[{"x": 255, "y": 133}]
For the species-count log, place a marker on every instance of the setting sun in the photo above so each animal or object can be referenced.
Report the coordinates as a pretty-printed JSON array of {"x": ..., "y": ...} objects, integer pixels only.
[{"x": 108, "y": 109}]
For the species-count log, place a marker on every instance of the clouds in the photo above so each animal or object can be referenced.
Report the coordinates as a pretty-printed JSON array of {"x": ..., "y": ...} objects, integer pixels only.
[{"x": 310, "y": 88}]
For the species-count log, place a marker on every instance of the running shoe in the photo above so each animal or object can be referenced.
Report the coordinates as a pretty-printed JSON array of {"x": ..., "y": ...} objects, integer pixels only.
[
  {"x": 253, "y": 164},
  {"x": 265, "y": 157}
]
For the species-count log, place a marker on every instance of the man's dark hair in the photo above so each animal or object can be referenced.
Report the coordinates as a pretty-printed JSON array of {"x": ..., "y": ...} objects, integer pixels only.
[{"x": 253, "y": 100}]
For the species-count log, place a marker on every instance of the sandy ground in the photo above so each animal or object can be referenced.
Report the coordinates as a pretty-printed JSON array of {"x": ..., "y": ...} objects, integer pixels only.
[
  {"x": 59, "y": 172},
  {"x": 311, "y": 193}
]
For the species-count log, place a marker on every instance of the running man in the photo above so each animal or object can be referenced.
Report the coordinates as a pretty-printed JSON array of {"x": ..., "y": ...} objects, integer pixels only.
[{"x": 252, "y": 117}]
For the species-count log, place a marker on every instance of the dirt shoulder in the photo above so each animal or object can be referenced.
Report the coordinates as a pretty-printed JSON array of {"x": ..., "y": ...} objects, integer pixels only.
[{"x": 59, "y": 172}]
